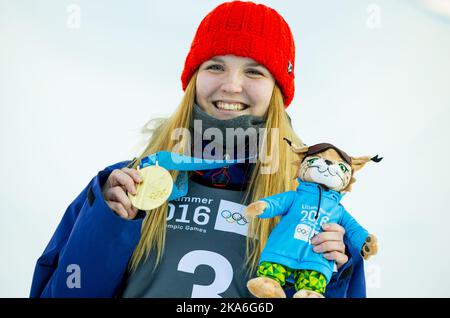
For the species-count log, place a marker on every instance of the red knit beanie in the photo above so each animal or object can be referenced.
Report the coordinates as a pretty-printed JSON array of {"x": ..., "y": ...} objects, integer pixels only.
[{"x": 249, "y": 30}]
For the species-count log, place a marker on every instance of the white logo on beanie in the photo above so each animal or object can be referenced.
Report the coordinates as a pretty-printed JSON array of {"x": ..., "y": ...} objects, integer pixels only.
[{"x": 289, "y": 68}]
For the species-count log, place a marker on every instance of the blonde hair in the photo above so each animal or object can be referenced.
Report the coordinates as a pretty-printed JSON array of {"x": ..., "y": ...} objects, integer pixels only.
[{"x": 261, "y": 185}]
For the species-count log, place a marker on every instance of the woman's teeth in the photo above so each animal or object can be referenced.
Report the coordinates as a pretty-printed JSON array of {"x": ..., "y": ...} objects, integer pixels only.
[{"x": 230, "y": 106}]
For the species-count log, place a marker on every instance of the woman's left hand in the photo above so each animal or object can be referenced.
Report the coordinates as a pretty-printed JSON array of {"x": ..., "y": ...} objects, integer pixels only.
[{"x": 331, "y": 243}]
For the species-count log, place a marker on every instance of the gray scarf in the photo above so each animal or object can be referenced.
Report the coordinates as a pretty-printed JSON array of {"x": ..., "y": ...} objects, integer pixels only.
[{"x": 234, "y": 149}]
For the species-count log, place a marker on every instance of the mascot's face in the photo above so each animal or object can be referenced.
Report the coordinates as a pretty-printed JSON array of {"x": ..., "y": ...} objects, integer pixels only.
[{"x": 326, "y": 168}]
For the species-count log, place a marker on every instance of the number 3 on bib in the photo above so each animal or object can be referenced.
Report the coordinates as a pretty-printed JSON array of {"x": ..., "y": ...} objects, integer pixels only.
[{"x": 221, "y": 266}]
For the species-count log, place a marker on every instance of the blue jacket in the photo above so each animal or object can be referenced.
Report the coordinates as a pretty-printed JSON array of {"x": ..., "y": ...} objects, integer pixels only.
[
  {"x": 100, "y": 244},
  {"x": 303, "y": 213}
]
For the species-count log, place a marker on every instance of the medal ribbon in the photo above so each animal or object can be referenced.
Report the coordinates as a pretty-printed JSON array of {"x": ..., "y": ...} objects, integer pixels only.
[{"x": 178, "y": 162}]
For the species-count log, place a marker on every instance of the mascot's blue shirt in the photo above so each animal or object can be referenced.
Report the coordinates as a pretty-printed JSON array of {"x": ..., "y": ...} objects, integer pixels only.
[
  {"x": 97, "y": 244},
  {"x": 289, "y": 243}
]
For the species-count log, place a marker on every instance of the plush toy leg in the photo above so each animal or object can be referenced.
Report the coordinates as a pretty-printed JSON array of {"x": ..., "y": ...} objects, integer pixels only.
[
  {"x": 265, "y": 287},
  {"x": 309, "y": 284},
  {"x": 304, "y": 293},
  {"x": 271, "y": 277}
]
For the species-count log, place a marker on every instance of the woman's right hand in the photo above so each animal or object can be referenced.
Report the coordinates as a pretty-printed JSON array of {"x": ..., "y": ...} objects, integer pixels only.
[{"x": 115, "y": 189}]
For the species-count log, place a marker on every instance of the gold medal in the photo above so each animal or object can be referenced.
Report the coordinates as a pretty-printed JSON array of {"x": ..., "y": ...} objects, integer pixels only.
[{"x": 154, "y": 190}]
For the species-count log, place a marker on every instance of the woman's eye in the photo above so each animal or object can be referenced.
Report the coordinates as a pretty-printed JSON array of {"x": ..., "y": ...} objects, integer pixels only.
[
  {"x": 215, "y": 67},
  {"x": 254, "y": 72},
  {"x": 311, "y": 161},
  {"x": 343, "y": 168}
]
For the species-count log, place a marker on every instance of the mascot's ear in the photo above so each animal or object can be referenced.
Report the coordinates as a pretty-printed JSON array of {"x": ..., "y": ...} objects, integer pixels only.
[
  {"x": 300, "y": 151},
  {"x": 295, "y": 148},
  {"x": 359, "y": 162}
]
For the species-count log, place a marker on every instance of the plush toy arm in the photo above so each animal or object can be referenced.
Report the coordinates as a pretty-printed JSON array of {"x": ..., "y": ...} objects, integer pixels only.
[
  {"x": 354, "y": 232},
  {"x": 255, "y": 208},
  {"x": 272, "y": 206},
  {"x": 370, "y": 247}
]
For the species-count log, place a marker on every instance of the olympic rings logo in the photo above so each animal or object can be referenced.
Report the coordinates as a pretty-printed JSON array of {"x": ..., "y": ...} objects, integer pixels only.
[
  {"x": 303, "y": 231},
  {"x": 234, "y": 217}
]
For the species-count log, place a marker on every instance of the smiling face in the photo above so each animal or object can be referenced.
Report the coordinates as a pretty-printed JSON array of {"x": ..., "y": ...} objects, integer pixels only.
[
  {"x": 326, "y": 168},
  {"x": 229, "y": 86}
]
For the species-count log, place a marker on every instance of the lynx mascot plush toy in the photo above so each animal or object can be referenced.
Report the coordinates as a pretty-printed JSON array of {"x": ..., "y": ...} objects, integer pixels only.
[{"x": 324, "y": 173}]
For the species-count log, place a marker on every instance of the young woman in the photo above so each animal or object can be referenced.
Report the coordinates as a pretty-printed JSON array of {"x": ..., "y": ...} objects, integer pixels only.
[{"x": 238, "y": 76}]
